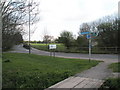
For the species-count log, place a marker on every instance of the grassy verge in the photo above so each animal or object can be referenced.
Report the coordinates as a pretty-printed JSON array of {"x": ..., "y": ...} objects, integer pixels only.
[
  {"x": 62, "y": 48},
  {"x": 115, "y": 67},
  {"x": 113, "y": 83},
  {"x": 35, "y": 71}
]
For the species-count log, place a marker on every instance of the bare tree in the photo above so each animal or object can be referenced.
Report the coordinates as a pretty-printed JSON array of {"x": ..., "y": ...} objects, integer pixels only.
[
  {"x": 84, "y": 27},
  {"x": 14, "y": 16},
  {"x": 47, "y": 39}
]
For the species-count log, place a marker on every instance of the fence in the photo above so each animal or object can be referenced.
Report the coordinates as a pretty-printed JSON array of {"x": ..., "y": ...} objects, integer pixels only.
[{"x": 104, "y": 50}]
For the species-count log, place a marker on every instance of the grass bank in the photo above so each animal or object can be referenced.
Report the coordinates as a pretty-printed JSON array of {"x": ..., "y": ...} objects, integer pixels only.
[
  {"x": 115, "y": 67},
  {"x": 113, "y": 83},
  {"x": 35, "y": 71},
  {"x": 62, "y": 48}
]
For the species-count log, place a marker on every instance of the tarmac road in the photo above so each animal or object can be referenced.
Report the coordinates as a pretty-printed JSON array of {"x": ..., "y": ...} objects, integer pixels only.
[{"x": 110, "y": 58}]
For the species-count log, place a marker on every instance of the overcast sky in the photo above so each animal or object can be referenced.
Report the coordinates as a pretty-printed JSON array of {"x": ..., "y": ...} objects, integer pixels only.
[{"x": 59, "y": 15}]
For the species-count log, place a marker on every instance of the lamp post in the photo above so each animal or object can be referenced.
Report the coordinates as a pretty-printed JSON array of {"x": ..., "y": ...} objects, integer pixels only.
[{"x": 29, "y": 5}]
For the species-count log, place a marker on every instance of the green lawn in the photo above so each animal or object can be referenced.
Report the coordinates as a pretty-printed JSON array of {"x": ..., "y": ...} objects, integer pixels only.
[
  {"x": 24, "y": 70},
  {"x": 60, "y": 47},
  {"x": 115, "y": 67},
  {"x": 113, "y": 83},
  {"x": 74, "y": 49}
]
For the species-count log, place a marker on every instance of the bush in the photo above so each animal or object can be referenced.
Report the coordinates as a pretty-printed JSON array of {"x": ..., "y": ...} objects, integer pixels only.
[{"x": 8, "y": 41}]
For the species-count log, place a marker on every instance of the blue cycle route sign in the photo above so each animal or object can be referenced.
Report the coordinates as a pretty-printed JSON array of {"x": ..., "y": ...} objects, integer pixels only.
[
  {"x": 82, "y": 33},
  {"x": 88, "y": 36}
]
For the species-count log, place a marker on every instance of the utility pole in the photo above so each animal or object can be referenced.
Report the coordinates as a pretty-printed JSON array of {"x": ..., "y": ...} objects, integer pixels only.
[
  {"x": 29, "y": 5},
  {"x": 119, "y": 10}
]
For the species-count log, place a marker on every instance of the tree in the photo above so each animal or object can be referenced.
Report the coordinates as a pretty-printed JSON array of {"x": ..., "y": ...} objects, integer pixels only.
[
  {"x": 108, "y": 28},
  {"x": 85, "y": 27},
  {"x": 66, "y": 38},
  {"x": 82, "y": 41},
  {"x": 14, "y": 15},
  {"x": 108, "y": 36},
  {"x": 47, "y": 39}
]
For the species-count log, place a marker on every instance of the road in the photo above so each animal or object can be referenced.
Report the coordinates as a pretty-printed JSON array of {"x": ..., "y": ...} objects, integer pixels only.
[{"x": 110, "y": 58}]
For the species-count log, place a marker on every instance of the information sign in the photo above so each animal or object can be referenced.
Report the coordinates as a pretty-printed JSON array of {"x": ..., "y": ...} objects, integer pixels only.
[
  {"x": 88, "y": 36},
  {"x": 52, "y": 46}
]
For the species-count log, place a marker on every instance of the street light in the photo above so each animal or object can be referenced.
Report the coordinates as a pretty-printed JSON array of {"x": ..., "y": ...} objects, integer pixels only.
[{"x": 29, "y": 5}]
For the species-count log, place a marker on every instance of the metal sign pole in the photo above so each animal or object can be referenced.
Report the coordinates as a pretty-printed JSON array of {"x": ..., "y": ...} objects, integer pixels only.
[
  {"x": 54, "y": 53},
  {"x": 90, "y": 44},
  {"x": 89, "y": 49},
  {"x": 89, "y": 36},
  {"x": 50, "y": 53}
]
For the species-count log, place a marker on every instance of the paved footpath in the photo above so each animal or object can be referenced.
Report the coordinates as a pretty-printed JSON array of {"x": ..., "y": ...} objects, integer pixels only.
[
  {"x": 91, "y": 78},
  {"x": 78, "y": 82},
  {"x": 100, "y": 72}
]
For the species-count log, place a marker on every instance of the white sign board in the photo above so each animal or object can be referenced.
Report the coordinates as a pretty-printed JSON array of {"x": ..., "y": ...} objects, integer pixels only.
[{"x": 52, "y": 46}]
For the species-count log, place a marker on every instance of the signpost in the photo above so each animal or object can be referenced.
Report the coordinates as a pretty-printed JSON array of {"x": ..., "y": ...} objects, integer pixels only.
[
  {"x": 89, "y": 36},
  {"x": 52, "y": 47},
  {"x": 82, "y": 33},
  {"x": 90, "y": 47}
]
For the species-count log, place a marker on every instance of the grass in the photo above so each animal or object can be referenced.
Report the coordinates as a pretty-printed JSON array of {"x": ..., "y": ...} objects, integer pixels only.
[
  {"x": 35, "y": 71},
  {"x": 115, "y": 67},
  {"x": 113, "y": 83},
  {"x": 62, "y": 48}
]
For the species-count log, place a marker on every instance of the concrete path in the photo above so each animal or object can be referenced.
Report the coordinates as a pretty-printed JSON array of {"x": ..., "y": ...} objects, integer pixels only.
[
  {"x": 100, "y": 71},
  {"x": 91, "y": 78},
  {"x": 78, "y": 82}
]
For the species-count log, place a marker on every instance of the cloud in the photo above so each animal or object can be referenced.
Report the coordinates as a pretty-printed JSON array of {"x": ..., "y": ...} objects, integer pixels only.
[{"x": 58, "y": 15}]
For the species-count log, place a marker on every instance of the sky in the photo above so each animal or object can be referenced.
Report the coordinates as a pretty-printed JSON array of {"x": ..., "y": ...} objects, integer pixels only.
[{"x": 59, "y": 15}]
